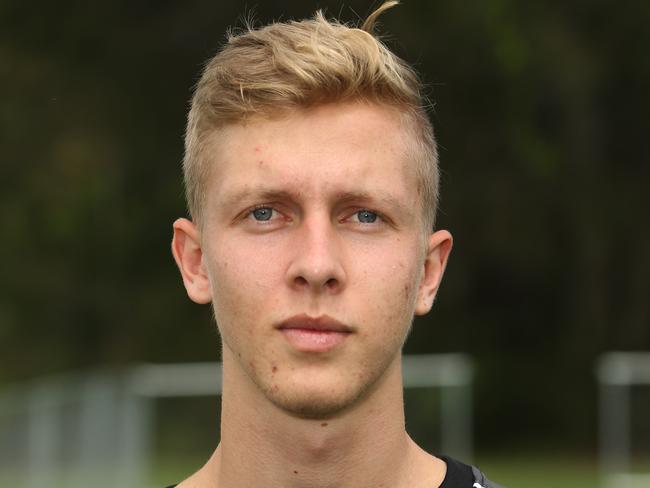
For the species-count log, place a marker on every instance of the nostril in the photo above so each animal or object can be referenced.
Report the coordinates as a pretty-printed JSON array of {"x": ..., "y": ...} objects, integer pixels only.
[
  {"x": 331, "y": 283},
  {"x": 300, "y": 280}
]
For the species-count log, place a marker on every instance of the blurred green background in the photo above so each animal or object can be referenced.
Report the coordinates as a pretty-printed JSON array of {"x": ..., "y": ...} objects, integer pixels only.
[{"x": 541, "y": 111}]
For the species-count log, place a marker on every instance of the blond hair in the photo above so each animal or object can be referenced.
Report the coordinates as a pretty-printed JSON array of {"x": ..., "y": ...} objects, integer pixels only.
[{"x": 299, "y": 64}]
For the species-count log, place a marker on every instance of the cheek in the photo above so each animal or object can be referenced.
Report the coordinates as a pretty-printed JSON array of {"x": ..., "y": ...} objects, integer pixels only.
[
  {"x": 242, "y": 283},
  {"x": 391, "y": 288}
]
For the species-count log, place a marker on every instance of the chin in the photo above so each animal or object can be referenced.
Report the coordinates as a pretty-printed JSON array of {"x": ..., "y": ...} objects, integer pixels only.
[
  {"x": 314, "y": 407},
  {"x": 318, "y": 400}
]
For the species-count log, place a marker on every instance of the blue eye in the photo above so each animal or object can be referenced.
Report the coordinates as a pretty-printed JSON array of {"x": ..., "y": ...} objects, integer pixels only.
[
  {"x": 262, "y": 213},
  {"x": 366, "y": 216}
]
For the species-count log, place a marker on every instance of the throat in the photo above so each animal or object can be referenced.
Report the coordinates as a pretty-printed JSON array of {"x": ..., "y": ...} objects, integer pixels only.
[
  {"x": 342, "y": 452},
  {"x": 323, "y": 460}
]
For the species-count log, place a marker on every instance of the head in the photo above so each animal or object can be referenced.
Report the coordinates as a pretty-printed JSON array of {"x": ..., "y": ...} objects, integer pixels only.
[
  {"x": 311, "y": 175},
  {"x": 268, "y": 72}
]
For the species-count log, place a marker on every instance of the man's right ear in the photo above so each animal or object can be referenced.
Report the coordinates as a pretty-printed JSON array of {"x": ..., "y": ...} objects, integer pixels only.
[{"x": 186, "y": 248}]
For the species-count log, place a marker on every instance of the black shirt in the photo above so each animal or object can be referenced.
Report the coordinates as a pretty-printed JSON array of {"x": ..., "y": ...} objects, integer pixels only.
[{"x": 459, "y": 475}]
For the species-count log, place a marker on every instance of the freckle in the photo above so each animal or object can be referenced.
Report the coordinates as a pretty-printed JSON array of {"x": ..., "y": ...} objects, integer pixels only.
[
  {"x": 324, "y": 424},
  {"x": 260, "y": 162},
  {"x": 274, "y": 368},
  {"x": 295, "y": 472}
]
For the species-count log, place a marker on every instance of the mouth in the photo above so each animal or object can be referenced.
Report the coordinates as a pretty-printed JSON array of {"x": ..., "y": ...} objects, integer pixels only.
[{"x": 314, "y": 334}]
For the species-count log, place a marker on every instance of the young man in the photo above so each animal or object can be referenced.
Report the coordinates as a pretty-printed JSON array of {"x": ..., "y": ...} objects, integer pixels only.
[{"x": 311, "y": 176}]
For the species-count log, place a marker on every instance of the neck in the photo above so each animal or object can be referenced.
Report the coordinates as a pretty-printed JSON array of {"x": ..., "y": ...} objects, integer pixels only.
[{"x": 365, "y": 446}]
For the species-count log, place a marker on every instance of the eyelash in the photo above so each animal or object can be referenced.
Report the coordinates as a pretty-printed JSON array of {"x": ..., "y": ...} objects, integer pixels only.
[
  {"x": 367, "y": 210},
  {"x": 249, "y": 214}
]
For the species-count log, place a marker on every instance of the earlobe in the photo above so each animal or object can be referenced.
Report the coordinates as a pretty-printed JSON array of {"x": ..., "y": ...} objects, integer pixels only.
[
  {"x": 186, "y": 248},
  {"x": 439, "y": 246}
]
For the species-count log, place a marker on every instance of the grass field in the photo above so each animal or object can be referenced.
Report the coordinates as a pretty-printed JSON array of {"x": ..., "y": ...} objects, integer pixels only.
[{"x": 528, "y": 470}]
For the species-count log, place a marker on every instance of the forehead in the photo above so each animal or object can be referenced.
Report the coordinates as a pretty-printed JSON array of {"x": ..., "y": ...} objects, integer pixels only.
[{"x": 353, "y": 148}]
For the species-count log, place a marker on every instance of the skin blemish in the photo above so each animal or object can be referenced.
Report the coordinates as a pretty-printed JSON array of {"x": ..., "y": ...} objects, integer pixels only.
[
  {"x": 274, "y": 369},
  {"x": 252, "y": 365},
  {"x": 295, "y": 472},
  {"x": 257, "y": 149},
  {"x": 260, "y": 162},
  {"x": 324, "y": 424}
]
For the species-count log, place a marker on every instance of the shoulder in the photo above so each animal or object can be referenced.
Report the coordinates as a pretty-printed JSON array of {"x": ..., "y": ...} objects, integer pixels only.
[{"x": 461, "y": 475}]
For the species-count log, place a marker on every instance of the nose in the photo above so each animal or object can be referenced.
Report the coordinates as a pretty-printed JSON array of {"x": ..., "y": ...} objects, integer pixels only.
[{"x": 316, "y": 264}]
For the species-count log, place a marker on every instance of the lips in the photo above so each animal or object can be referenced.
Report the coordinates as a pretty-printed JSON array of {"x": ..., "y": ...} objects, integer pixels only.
[{"x": 314, "y": 334}]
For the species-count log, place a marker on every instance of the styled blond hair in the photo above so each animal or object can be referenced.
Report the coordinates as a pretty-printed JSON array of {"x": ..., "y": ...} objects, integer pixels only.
[{"x": 299, "y": 64}]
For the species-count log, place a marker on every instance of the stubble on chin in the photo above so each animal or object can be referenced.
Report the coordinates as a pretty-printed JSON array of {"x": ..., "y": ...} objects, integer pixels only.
[
  {"x": 313, "y": 407},
  {"x": 322, "y": 401}
]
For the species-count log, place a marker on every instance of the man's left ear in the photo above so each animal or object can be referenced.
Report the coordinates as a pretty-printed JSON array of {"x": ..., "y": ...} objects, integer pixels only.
[{"x": 438, "y": 248}]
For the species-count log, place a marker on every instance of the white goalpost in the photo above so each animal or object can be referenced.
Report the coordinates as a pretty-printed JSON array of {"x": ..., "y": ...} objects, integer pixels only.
[{"x": 617, "y": 373}]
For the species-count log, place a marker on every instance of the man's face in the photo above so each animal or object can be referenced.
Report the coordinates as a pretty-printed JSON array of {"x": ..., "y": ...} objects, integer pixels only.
[{"x": 312, "y": 253}]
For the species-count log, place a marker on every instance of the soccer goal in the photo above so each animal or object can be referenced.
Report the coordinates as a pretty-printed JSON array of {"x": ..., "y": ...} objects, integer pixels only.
[
  {"x": 621, "y": 375},
  {"x": 100, "y": 426}
]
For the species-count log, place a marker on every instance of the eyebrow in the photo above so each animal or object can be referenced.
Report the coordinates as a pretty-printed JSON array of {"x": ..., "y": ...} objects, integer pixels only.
[
  {"x": 387, "y": 200},
  {"x": 271, "y": 194},
  {"x": 267, "y": 194}
]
